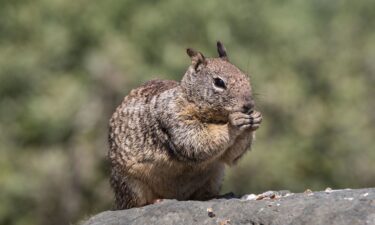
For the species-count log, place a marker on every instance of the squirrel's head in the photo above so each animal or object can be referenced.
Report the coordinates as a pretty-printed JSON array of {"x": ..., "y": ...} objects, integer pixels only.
[{"x": 216, "y": 85}]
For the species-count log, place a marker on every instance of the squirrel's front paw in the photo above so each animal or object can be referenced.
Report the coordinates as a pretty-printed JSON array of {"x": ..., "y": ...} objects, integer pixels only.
[
  {"x": 244, "y": 121},
  {"x": 256, "y": 120}
]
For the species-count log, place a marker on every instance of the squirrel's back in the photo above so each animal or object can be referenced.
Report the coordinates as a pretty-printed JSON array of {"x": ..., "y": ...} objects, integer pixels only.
[
  {"x": 150, "y": 89},
  {"x": 133, "y": 124}
]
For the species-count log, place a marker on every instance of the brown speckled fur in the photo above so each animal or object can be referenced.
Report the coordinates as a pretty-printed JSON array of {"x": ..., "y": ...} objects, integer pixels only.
[{"x": 172, "y": 140}]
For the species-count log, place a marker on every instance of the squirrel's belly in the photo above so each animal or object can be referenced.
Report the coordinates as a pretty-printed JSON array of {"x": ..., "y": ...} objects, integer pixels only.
[{"x": 169, "y": 179}]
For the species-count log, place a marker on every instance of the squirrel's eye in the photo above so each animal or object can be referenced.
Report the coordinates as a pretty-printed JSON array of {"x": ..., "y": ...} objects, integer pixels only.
[{"x": 219, "y": 83}]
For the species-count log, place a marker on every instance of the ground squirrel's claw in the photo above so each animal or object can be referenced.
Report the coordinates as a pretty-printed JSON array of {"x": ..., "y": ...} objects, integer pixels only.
[
  {"x": 239, "y": 119},
  {"x": 245, "y": 121},
  {"x": 256, "y": 120}
]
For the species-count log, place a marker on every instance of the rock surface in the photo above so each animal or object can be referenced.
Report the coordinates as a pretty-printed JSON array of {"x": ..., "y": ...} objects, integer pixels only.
[{"x": 335, "y": 207}]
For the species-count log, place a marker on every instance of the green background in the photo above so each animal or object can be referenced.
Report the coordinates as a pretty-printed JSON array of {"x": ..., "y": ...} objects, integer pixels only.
[{"x": 65, "y": 65}]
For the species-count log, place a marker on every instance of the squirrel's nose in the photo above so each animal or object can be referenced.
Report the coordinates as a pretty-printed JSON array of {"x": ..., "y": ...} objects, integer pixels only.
[{"x": 248, "y": 107}]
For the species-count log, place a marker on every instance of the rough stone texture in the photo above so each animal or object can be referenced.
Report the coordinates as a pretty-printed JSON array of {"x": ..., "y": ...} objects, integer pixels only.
[{"x": 337, "y": 207}]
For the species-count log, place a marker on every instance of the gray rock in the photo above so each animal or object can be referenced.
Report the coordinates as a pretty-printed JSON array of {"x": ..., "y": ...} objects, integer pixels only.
[{"x": 335, "y": 207}]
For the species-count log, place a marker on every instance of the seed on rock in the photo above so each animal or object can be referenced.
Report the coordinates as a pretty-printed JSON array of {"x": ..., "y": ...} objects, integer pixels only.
[{"x": 210, "y": 212}]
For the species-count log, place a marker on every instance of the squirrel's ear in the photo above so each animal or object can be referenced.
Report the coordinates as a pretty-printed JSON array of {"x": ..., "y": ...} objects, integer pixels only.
[
  {"x": 197, "y": 58},
  {"x": 221, "y": 50}
]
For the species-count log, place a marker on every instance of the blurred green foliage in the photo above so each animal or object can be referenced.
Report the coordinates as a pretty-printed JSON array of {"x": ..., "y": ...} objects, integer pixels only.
[{"x": 65, "y": 65}]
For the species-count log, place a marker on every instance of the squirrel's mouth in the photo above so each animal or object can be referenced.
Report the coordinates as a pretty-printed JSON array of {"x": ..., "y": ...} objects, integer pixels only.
[
  {"x": 242, "y": 110},
  {"x": 249, "y": 111},
  {"x": 246, "y": 107}
]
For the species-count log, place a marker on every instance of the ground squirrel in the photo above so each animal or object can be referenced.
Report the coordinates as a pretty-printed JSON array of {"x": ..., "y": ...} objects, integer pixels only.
[{"x": 171, "y": 140}]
